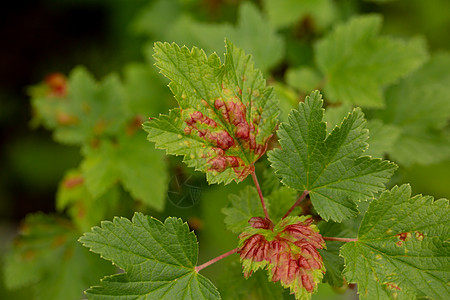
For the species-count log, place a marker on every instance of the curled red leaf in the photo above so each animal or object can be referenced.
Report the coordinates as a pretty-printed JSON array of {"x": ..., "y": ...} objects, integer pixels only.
[{"x": 289, "y": 251}]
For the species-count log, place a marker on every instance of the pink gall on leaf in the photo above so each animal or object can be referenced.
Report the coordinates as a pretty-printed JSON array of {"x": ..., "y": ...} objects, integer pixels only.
[{"x": 289, "y": 251}]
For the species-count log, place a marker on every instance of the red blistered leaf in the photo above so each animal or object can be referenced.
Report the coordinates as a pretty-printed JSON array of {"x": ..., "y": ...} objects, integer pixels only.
[
  {"x": 289, "y": 251},
  {"x": 226, "y": 114}
]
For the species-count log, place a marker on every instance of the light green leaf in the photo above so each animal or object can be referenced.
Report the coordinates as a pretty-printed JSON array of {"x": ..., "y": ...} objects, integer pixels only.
[
  {"x": 131, "y": 160},
  {"x": 46, "y": 256},
  {"x": 304, "y": 79},
  {"x": 358, "y": 63},
  {"x": 87, "y": 111},
  {"x": 284, "y": 13},
  {"x": 252, "y": 33},
  {"x": 330, "y": 166},
  {"x": 85, "y": 210},
  {"x": 279, "y": 202},
  {"x": 402, "y": 247},
  {"x": 382, "y": 138},
  {"x": 226, "y": 114},
  {"x": 288, "y": 99},
  {"x": 242, "y": 207},
  {"x": 335, "y": 114},
  {"x": 158, "y": 260},
  {"x": 419, "y": 106},
  {"x": 146, "y": 93},
  {"x": 150, "y": 17}
]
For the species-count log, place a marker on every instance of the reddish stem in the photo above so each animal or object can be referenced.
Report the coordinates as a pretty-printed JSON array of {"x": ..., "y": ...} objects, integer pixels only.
[
  {"x": 330, "y": 238},
  {"x": 255, "y": 180},
  {"x": 208, "y": 263},
  {"x": 300, "y": 199}
]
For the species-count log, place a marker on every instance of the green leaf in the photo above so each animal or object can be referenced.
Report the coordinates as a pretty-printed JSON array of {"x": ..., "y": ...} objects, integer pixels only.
[
  {"x": 383, "y": 138},
  {"x": 88, "y": 110},
  {"x": 145, "y": 91},
  {"x": 358, "y": 63},
  {"x": 330, "y": 166},
  {"x": 252, "y": 33},
  {"x": 131, "y": 159},
  {"x": 85, "y": 210},
  {"x": 305, "y": 79},
  {"x": 284, "y": 13},
  {"x": 288, "y": 99},
  {"x": 418, "y": 105},
  {"x": 333, "y": 262},
  {"x": 242, "y": 208},
  {"x": 402, "y": 247},
  {"x": 279, "y": 202},
  {"x": 47, "y": 256},
  {"x": 334, "y": 115},
  {"x": 158, "y": 260},
  {"x": 226, "y": 114}
]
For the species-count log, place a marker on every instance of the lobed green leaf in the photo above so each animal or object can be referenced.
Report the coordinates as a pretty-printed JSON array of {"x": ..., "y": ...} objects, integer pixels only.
[
  {"x": 330, "y": 166},
  {"x": 158, "y": 260},
  {"x": 358, "y": 63},
  {"x": 402, "y": 248}
]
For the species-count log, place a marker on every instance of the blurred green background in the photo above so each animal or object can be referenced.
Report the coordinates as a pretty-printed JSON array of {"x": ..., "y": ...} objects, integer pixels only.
[{"x": 41, "y": 37}]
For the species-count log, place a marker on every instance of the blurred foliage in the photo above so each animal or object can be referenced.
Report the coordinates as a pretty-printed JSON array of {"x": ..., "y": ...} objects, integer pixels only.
[{"x": 299, "y": 44}]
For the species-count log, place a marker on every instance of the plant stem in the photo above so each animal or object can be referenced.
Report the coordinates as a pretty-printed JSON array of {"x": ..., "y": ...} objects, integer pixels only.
[
  {"x": 255, "y": 180},
  {"x": 206, "y": 264},
  {"x": 300, "y": 199},
  {"x": 330, "y": 238}
]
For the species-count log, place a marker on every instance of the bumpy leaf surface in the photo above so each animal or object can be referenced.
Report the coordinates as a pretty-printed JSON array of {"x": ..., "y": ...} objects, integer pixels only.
[
  {"x": 226, "y": 113},
  {"x": 402, "y": 247},
  {"x": 287, "y": 250},
  {"x": 158, "y": 260},
  {"x": 47, "y": 256},
  {"x": 330, "y": 166},
  {"x": 358, "y": 63}
]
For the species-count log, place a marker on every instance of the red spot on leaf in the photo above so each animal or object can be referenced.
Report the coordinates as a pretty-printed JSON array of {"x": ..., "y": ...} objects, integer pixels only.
[
  {"x": 393, "y": 286},
  {"x": 404, "y": 236},
  {"x": 66, "y": 119},
  {"x": 57, "y": 83},
  {"x": 73, "y": 182}
]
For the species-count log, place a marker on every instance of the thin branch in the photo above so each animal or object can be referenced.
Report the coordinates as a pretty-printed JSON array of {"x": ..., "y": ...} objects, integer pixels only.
[
  {"x": 330, "y": 238},
  {"x": 300, "y": 199},
  {"x": 208, "y": 263},
  {"x": 255, "y": 180}
]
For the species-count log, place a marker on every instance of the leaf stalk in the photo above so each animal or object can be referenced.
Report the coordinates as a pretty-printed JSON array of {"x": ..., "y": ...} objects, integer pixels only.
[
  {"x": 300, "y": 199},
  {"x": 330, "y": 238},
  {"x": 214, "y": 260},
  {"x": 258, "y": 188}
]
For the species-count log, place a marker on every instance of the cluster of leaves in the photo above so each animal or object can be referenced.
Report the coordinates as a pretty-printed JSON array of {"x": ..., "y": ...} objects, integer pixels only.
[{"x": 224, "y": 123}]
